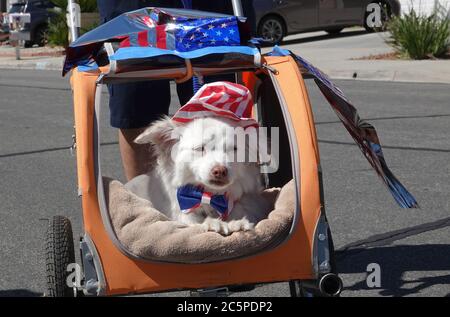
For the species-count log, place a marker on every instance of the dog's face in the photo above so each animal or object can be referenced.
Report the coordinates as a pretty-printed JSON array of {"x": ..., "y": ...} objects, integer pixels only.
[
  {"x": 202, "y": 152},
  {"x": 206, "y": 149}
]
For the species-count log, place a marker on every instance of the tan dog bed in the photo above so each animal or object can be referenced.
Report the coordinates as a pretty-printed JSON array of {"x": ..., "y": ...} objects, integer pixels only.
[{"x": 146, "y": 233}]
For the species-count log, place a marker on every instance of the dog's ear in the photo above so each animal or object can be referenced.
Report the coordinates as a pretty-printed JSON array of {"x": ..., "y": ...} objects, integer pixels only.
[{"x": 162, "y": 134}]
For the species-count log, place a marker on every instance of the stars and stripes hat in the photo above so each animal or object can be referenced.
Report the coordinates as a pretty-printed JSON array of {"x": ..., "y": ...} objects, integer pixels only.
[{"x": 219, "y": 99}]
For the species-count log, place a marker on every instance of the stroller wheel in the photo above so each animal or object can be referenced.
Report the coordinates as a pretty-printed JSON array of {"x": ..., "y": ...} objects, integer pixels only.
[{"x": 59, "y": 253}]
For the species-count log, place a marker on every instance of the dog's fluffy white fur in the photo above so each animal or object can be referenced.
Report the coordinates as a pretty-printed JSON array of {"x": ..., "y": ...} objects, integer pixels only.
[{"x": 187, "y": 154}]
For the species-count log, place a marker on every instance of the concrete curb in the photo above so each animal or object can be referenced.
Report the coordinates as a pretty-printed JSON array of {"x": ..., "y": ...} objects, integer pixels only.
[
  {"x": 34, "y": 52},
  {"x": 35, "y": 66},
  {"x": 394, "y": 76},
  {"x": 413, "y": 75}
]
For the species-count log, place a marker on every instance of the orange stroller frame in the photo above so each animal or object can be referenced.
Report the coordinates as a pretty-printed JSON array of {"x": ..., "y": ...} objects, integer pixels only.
[{"x": 305, "y": 258}]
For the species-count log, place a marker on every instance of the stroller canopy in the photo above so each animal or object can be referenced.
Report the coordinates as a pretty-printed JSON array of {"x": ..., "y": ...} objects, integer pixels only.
[{"x": 161, "y": 39}]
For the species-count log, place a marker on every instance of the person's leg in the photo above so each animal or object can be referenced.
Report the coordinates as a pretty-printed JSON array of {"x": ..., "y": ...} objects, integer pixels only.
[
  {"x": 137, "y": 159},
  {"x": 133, "y": 107},
  {"x": 185, "y": 91}
]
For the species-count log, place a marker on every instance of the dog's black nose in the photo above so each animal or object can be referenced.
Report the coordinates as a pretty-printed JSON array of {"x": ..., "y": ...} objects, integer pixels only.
[{"x": 219, "y": 172}]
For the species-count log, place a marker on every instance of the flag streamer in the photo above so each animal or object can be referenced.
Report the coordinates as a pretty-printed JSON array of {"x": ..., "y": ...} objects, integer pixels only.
[{"x": 361, "y": 131}]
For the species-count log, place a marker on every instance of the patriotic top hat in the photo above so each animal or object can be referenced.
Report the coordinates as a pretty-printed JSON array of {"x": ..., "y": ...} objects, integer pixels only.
[{"x": 219, "y": 99}]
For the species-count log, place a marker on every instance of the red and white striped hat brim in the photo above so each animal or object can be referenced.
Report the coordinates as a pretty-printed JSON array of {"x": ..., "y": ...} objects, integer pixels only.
[{"x": 219, "y": 99}]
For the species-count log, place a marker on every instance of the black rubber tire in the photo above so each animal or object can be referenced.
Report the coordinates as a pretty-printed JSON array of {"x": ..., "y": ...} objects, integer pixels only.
[
  {"x": 40, "y": 36},
  {"x": 59, "y": 253},
  {"x": 274, "y": 19},
  {"x": 334, "y": 31},
  {"x": 386, "y": 15}
]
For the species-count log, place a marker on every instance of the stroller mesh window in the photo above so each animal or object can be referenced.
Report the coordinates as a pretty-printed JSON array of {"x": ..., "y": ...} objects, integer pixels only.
[
  {"x": 269, "y": 109},
  {"x": 141, "y": 232}
]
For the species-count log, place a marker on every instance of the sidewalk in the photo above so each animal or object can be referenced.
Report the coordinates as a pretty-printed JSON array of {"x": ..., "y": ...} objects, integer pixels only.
[
  {"x": 32, "y": 58},
  {"x": 44, "y": 63},
  {"x": 333, "y": 55}
]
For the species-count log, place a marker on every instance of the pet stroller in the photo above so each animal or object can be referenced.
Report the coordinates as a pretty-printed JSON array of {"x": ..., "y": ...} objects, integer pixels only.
[{"x": 294, "y": 244}]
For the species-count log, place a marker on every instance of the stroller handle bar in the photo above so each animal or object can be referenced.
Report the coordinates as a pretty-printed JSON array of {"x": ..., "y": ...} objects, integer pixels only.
[
  {"x": 237, "y": 8},
  {"x": 73, "y": 16}
]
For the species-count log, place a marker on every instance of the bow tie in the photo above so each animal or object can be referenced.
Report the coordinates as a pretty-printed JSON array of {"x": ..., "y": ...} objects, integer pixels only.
[{"x": 191, "y": 197}]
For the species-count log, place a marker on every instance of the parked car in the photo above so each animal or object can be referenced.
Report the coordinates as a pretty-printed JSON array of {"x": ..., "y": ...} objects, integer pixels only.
[
  {"x": 40, "y": 12},
  {"x": 4, "y": 29},
  {"x": 279, "y": 18}
]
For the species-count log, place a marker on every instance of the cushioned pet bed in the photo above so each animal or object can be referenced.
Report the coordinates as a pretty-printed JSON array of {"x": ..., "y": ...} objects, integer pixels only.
[{"x": 147, "y": 233}]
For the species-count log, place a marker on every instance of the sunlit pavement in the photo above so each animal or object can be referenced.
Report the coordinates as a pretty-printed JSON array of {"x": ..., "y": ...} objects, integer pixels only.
[{"x": 411, "y": 246}]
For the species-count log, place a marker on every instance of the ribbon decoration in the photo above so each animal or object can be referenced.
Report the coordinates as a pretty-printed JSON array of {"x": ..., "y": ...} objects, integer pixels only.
[
  {"x": 191, "y": 197},
  {"x": 362, "y": 132}
]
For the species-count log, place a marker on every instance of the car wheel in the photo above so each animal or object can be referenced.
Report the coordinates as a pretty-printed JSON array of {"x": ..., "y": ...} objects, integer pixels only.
[
  {"x": 40, "y": 36},
  {"x": 334, "y": 31},
  {"x": 386, "y": 14},
  {"x": 272, "y": 29}
]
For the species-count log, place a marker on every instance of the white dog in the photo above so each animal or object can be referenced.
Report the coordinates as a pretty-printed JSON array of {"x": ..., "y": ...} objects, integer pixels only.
[{"x": 201, "y": 154}]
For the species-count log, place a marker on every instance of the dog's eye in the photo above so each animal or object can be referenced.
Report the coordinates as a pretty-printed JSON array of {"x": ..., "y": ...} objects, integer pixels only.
[{"x": 200, "y": 148}]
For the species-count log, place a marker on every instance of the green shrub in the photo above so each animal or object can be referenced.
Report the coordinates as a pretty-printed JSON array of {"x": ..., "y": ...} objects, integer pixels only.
[
  {"x": 88, "y": 5},
  {"x": 418, "y": 36},
  {"x": 85, "y": 5},
  {"x": 58, "y": 31}
]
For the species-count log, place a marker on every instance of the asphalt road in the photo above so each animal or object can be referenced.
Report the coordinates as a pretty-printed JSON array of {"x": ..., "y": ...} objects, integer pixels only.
[{"x": 412, "y": 247}]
